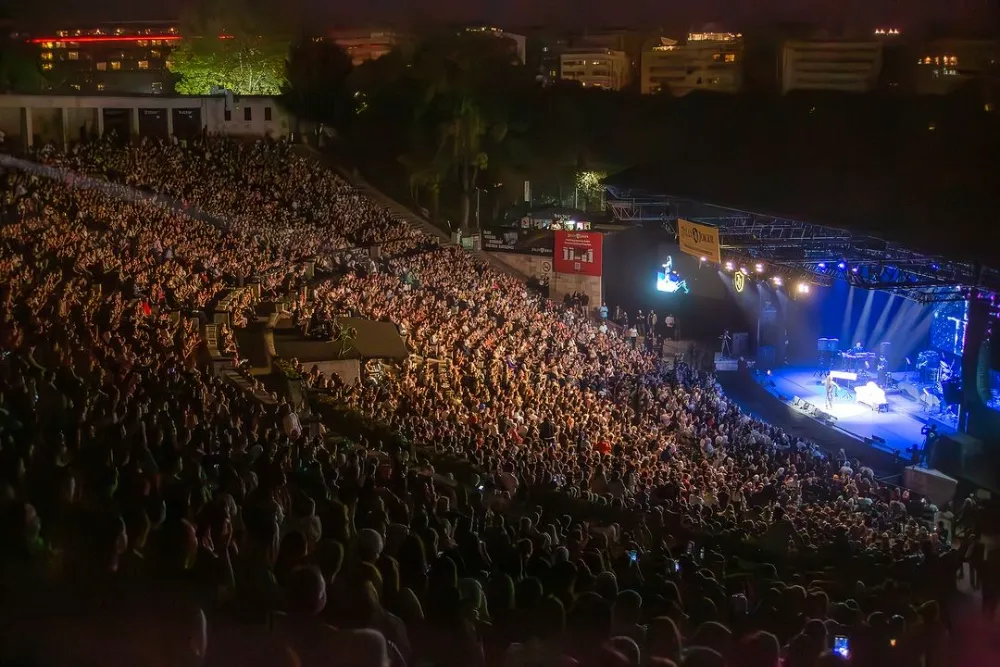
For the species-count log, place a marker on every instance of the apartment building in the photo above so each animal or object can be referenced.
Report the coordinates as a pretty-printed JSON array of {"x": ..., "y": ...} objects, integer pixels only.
[
  {"x": 709, "y": 61},
  {"x": 945, "y": 65},
  {"x": 365, "y": 45},
  {"x": 121, "y": 58},
  {"x": 595, "y": 67},
  {"x": 834, "y": 65}
]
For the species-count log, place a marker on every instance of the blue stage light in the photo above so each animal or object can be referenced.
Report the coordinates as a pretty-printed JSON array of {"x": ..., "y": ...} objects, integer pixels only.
[
  {"x": 841, "y": 266},
  {"x": 822, "y": 266}
]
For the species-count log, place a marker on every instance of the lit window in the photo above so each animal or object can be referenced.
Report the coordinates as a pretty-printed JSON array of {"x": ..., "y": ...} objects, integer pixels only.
[
  {"x": 730, "y": 57},
  {"x": 142, "y": 42},
  {"x": 953, "y": 61},
  {"x": 74, "y": 86},
  {"x": 154, "y": 53},
  {"x": 102, "y": 67},
  {"x": 46, "y": 66},
  {"x": 116, "y": 65},
  {"x": 988, "y": 107},
  {"x": 716, "y": 56},
  {"x": 73, "y": 55},
  {"x": 62, "y": 33},
  {"x": 927, "y": 60},
  {"x": 48, "y": 45},
  {"x": 60, "y": 45},
  {"x": 100, "y": 86},
  {"x": 143, "y": 64},
  {"x": 46, "y": 55},
  {"x": 156, "y": 42}
]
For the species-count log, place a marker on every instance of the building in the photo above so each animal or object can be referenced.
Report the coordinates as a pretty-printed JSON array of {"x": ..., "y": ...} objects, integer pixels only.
[
  {"x": 708, "y": 61},
  {"x": 363, "y": 46},
  {"x": 946, "y": 65},
  {"x": 845, "y": 66},
  {"x": 120, "y": 58},
  {"x": 27, "y": 120},
  {"x": 595, "y": 67}
]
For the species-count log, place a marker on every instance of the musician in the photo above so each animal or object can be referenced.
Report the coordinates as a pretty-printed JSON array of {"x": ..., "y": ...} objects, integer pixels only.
[
  {"x": 858, "y": 348},
  {"x": 831, "y": 388}
]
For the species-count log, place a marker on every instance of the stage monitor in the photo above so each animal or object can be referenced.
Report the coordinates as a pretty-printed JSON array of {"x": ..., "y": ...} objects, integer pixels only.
[{"x": 669, "y": 281}]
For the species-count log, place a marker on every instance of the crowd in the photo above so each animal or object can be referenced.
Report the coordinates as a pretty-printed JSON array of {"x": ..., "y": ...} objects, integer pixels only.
[{"x": 614, "y": 509}]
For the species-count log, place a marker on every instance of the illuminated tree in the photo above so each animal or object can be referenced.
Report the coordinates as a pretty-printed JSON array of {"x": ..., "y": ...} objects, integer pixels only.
[{"x": 231, "y": 44}]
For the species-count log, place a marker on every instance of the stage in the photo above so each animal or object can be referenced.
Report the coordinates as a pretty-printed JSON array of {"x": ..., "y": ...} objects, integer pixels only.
[{"x": 894, "y": 431}]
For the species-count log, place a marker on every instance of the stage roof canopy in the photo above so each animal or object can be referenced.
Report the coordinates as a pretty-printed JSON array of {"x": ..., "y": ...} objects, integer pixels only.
[{"x": 922, "y": 229}]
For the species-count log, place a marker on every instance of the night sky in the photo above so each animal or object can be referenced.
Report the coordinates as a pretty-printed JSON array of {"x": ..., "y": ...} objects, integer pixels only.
[{"x": 978, "y": 15}]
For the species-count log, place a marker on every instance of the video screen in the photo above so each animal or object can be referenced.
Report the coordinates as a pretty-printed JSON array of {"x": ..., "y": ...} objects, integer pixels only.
[
  {"x": 669, "y": 281},
  {"x": 948, "y": 327}
]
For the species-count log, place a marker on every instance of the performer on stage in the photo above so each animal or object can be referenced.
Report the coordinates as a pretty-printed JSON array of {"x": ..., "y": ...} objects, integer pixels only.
[
  {"x": 831, "y": 388},
  {"x": 858, "y": 348}
]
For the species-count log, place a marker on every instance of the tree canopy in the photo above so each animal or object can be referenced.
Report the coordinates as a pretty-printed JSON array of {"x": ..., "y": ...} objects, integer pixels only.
[
  {"x": 316, "y": 82},
  {"x": 231, "y": 44}
]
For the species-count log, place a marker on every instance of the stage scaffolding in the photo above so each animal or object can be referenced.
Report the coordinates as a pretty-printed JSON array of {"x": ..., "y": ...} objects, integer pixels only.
[{"x": 815, "y": 253}]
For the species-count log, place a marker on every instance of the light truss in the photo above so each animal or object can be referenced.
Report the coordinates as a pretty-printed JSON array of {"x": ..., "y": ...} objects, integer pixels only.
[{"x": 822, "y": 254}]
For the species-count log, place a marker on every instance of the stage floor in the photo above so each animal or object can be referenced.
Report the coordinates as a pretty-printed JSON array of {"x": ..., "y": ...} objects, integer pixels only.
[{"x": 899, "y": 428}]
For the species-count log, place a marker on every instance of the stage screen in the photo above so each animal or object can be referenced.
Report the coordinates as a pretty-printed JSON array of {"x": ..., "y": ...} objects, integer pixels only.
[
  {"x": 948, "y": 327},
  {"x": 670, "y": 281}
]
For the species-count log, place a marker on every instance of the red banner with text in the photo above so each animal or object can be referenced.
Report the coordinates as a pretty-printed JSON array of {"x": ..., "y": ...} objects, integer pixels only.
[{"x": 579, "y": 253}]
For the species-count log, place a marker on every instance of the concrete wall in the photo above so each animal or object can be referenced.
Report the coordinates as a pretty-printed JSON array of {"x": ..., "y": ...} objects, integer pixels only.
[
  {"x": 567, "y": 283},
  {"x": 533, "y": 266},
  {"x": 59, "y": 118}
]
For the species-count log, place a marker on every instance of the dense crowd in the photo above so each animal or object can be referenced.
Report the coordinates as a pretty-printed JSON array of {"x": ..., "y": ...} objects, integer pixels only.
[{"x": 619, "y": 511}]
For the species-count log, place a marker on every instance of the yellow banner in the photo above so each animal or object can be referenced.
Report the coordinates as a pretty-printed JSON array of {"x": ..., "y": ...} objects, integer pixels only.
[{"x": 699, "y": 240}]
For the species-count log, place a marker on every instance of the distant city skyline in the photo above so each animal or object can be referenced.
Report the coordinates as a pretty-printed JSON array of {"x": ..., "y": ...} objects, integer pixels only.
[{"x": 968, "y": 15}]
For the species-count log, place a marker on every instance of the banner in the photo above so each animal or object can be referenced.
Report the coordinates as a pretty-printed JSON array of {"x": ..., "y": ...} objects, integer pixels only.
[
  {"x": 521, "y": 241},
  {"x": 579, "y": 253},
  {"x": 699, "y": 240}
]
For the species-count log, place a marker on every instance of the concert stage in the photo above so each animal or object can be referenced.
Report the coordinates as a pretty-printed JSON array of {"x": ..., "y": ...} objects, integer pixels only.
[
  {"x": 874, "y": 437},
  {"x": 895, "y": 430}
]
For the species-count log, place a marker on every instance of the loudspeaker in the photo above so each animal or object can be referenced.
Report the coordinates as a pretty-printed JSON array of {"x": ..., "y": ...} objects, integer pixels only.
[
  {"x": 952, "y": 392},
  {"x": 884, "y": 349}
]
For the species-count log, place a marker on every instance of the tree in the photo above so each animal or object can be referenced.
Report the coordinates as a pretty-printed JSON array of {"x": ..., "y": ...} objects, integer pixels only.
[
  {"x": 231, "y": 44},
  {"x": 19, "y": 71},
  {"x": 316, "y": 82},
  {"x": 463, "y": 83}
]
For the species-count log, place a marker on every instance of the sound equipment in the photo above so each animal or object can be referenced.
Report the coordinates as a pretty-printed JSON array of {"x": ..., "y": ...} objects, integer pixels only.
[
  {"x": 741, "y": 344},
  {"x": 828, "y": 345},
  {"x": 884, "y": 349},
  {"x": 952, "y": 390}
]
